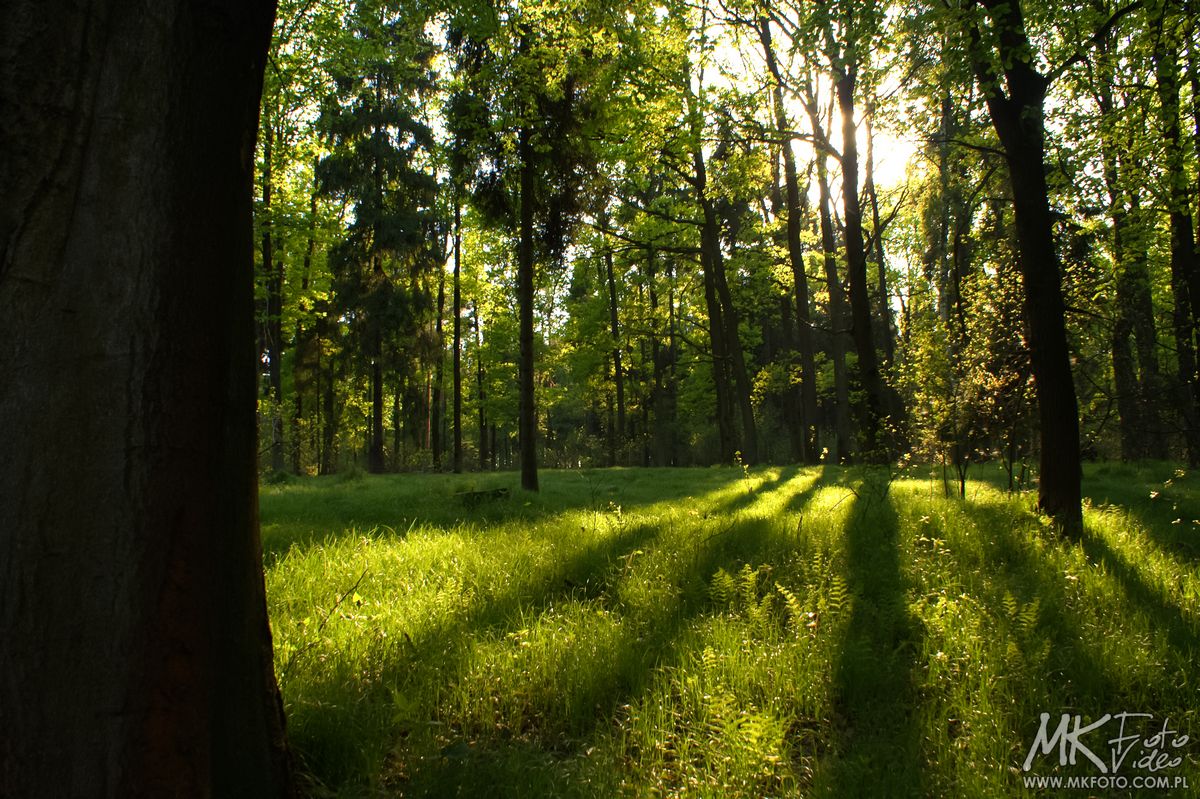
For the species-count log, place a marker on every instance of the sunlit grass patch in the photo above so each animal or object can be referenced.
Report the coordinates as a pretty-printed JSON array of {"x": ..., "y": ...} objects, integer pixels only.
[{"x": 780, "y": 632}]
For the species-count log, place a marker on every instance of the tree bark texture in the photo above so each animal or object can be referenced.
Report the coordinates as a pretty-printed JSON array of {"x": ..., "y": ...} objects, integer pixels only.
[
  {"x": 136, "y": 657},
  {"x": 1018, "y": 120},
  {"x": 527, "y": 423},
  {"x": 837, "y": 318},
  {"x": 873, "y": 415}
]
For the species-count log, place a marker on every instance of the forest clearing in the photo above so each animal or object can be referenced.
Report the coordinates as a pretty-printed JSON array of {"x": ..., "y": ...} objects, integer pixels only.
[{"x": 818, "y": 631}]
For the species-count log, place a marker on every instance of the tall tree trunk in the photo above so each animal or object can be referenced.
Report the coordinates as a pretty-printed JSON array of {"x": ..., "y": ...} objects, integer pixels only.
[
  {"x": 1018, "y": 120},
  {"x": 796, "y": 209},
  {"x": 726, "y": 442},
  {"x": 273, "y": 325},
  {"x": 1138, "y": 390},
  {"x": 527, "y": 427},
  {"x": 837, "y": 318},
  {"x": 615, "y": 332},
  {"x": 136, "y": 656},
  {"x": 733, "y": 343},
  {"x": 303, "y": 337},
  {"x": 1185, "y": 269},
  {"x": 457, "y": 304},
  {"x": 873, "y": 415},
  {"x": 436, "y": 409},
  {"x": 886, "y": 327}
]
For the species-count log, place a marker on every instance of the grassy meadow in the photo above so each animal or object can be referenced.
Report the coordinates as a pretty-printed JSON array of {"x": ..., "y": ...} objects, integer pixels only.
[{"x": 773, "y": 632}]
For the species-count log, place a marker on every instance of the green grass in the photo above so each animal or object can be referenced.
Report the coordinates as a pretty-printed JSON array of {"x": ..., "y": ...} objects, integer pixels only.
[{"x": 706, "y": 633}]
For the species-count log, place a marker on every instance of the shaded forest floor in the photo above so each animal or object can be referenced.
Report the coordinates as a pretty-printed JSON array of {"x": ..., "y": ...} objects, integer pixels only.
[{"x": 713, "y": 633}]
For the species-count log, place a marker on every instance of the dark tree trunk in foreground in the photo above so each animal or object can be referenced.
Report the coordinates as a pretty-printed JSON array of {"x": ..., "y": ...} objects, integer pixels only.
[
  {"x": 527, "y": 423},
  {"x": 136, "y": 657},
  {"x": 1017, "y": 118}
]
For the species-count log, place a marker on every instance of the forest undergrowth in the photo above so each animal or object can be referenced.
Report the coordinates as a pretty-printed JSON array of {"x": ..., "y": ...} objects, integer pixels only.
[{"x": 816, "y": 631}]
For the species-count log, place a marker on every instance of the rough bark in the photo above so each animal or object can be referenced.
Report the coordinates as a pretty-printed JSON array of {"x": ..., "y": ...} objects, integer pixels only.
[
  {"x": 136, "y": 656},
  {"x": 873, "y": 415},
  {"x": 1018, "y": 119},
  {"x": 527, "y": 423},
  {"x": 837, "y": 318}
]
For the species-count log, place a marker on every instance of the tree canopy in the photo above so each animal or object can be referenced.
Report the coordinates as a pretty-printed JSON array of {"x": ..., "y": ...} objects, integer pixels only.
[{"x": 689, "y": 233}]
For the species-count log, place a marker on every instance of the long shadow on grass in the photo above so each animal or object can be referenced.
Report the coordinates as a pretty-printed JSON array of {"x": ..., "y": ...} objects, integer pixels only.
[
  {"x": 1166, "y": 513},
  {"x": 752, "y": 494},
  {"x": 878, "y": 751},
  {"x": 1054, "y": 665},
  {"x": 1164, "y": 614},
  {"x": 543, "y": 759},
  {"x": 466, "y": 754},
  {"x": 1070, "y": 674},
  {"x": 825, "y": 476}
]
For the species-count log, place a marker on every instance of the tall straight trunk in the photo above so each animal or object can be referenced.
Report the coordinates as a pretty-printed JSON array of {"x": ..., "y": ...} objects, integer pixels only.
[
  {"x": 1185, "y": 269},
  {"x": 937, "y": 263},
  {"x": 886, "y": 327},
  {"x": 527, "y": 423},
  {"x": 615, "y": 332},
  {"x": 1141, "y": 427},
  {"x": 436, "y": 405},
  {"x": 796, "y": 208},
  {"x": 733, "y": 344},
  {"x": 837, "y": 317},
  {"x": 375, "y": 462},
  {"x": 726, "y": 441},
  {"x": 303, "y": 336},
  {"x": 873, "y": 416},
  {"x": 1018, "y": 120},
  {"x": 457, "y": 305},
  {"x": 136, "y": 656},
  {"x": 273, "y": 272}
]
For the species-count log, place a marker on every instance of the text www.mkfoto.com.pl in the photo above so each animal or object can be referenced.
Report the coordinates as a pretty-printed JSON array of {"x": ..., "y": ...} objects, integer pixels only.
[{"x": 1099, "y": 782}]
